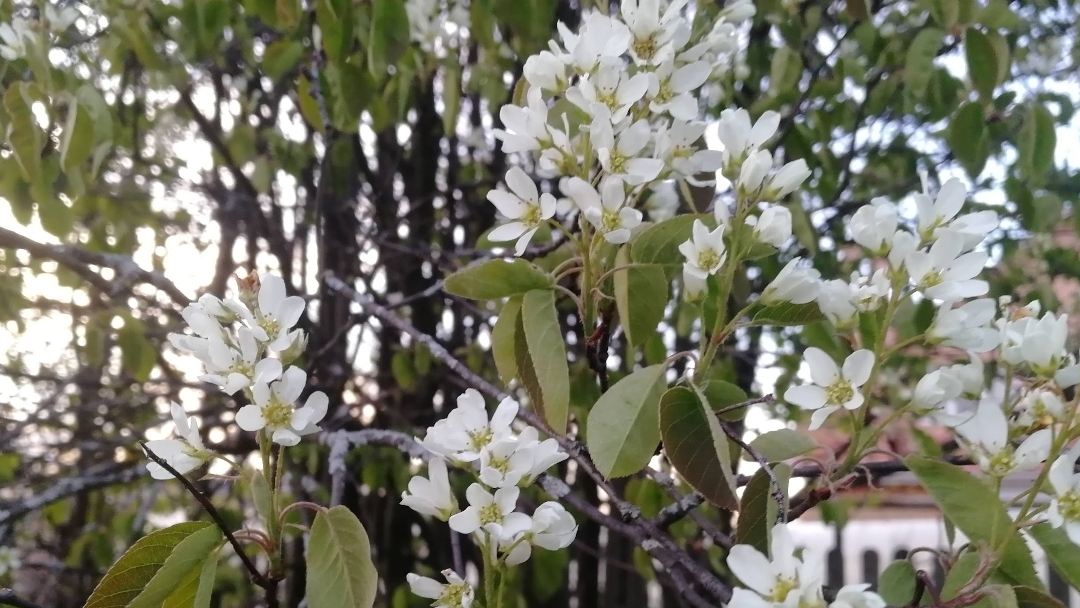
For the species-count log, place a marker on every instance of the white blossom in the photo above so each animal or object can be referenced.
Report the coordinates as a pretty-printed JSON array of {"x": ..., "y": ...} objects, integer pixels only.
[
  {"x": 1040, "y": 344},
  {"x": 987, "y": 437},
  {"x": 1065, "y": 506},
  {"x": 466, "y": 430},
  {"x": 833, "y": 387},
  {"x": 773, "y": 227},
  {"x": 835, "y": 301},
  {"x": 185, "y": 454},
  {"x": 1040, "y": 406},
  {"x": 873, "y": 226},
  {"x": 277, "y": 314},
  {"x": 937, "y": 387},
  {"x": 526, "y": 127},
  {"x": 752, "y": 174},
  {"x": 60, "y": 19},
  {"x": 619, "y": 153},
  {"x": 598, "y": 37},
  {"x": 605, "y": 210},
  {"x": 676, "y": 146},
  {"x": 274, "y": 409},
  {"x": 545, "y": 71},
  {"x": 857, "y": 596},
  {"x": 545, "y": 454},
  {"x": 935, "y": 213},
  {"x": 431, "y": 495},
  {"x": 670, "y": 88},
  {"x": 777, "y": 580},
  {"x": 651, "y": 31},
  {"x": 553, "y": 528},
  {"x": 903, "y": 244},
  {"x": 967, "y": 326},
  {"x": 945, "y": 273},
  {"x": 524, "y": 206},
  {"x": 493, "y": 514},
  {"x": 609, "y": 93},
  {"x": 784, "y": 181},
  {"x": 15, "y": 36},
  {"x": 233, "y": 369},
  {"x": 504, "y": 463},
  {"x": 740, "y": 138},
  {"x": 456, "y": 593},
  {"x": 663, "y": 201},
  {"x": 795, "y": 283},
  {"x": 971, "y": 375},
  {"x": 705, "y": 254}
]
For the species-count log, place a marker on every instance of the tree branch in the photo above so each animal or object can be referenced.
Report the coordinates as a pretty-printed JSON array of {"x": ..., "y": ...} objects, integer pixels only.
[{"x": 8, "y": 598}]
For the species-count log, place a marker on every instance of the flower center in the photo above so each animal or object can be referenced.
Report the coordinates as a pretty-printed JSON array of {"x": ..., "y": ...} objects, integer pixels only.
[
  {"x": 491, "y": 514},
  {"x": 931, "y": 279},
  {"x": 271, "y": 326},
  {"x": 453, "y": 595},
  {"x": 708, "y": 259},
  {"x": 501, "y": 465},
  {"x": 531, "y": 217},
  {"x": 665, "y": 94},
  {"x": 608, "y": 98},
  {"x": 781, "y": 589},
  {"x": 682, "y": 152},
  {"x": 479, "y": 439},
  {"x": 1001, "y": 464},
  {"x": 645, "y": 47},
  {"x": 1069, "y": 506},
  {"x": 840, "y": 392},
  {"x": 617, "y": 162},
  {"x": 277, "y": 415},
  {"x": 610, "y": 220}
]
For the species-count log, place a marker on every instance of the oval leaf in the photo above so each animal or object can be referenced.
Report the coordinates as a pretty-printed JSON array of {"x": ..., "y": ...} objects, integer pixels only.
[
  {"x": 624, "y": 425},
  {"x": 188, "y": 557},
  {"x": 197, "y": 589},
  {"x": 982, "y": 62},
  {"x": 782, "y": 444},
  {"x": 547, "y": 351},
  {"x": 496, "y": 279},
  {"x": 897, "y": 584},
  {"x": 641, "y": 295},
  {"x": 1026, "y": 597},
  {"x": 340, "y": 573},
  {"x": 502, "y": 339},
  {"x": 977, "y": 511},
  {"x": 1062, "y": 552},
  {"x": 138, "y": 565},
  {"x": 919, "y": 65},
  {"x": 697, "y": 446},
  {"x": 786, "y": 314},
  {"x": 758, "y": 510}
]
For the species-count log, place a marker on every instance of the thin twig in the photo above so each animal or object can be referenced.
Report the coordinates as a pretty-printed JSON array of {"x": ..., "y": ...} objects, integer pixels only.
[
  {"x": 8, "y": 598},
  {"x": 777, "y": 491},
  {"x": 212, "y": 511}
]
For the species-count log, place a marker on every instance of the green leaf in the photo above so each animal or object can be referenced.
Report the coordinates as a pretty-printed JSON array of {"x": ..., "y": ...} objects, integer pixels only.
[
  {"x": 641, "y": 295},
  {"x": 786, "y": 314},
  {"x": 261, "y": 496},
  {"x": 188, "y": 556},
  {"x": 803, "y": 229},
  {"x": 502, "y": 339},
  {"x": 340, "y": 573},
  {"x": 977, "y": 511},
  {"x": 720, "y": 394},
  {"x": 547, "y": 350},
  {"x": 137, "y": 354},
  {"x": 1037, "y": 142},
  {"x": 982, "y": 62},
  {"x": 197, "y": 589},
  {"x": 1026, "y": 597},
  {"x": 758, "y": 510},
  {"x": 919, "y": 65},
  {"x": 452, "y": 96},
  {"x": 281, "y": 57},
  {"x": 945, "y": 12},
  {"x": 1003, "y": 55},
  {"x": 23, "y": 133},
  {"x": 77, "y": 142},
  {"x": 782, "y": 444},
  {"x": 1062, "y": 552},
  {"x": 127, "y": 577},
  {"x": 998, "y": 15},
  {"x": 389, "y": 36},
  {"x": 288, "y": 13},
  {"x": 659, "y": 243},
  {"x": 696, "y": 445},
  {"x": 784, "y": 71},
  {"x": 897, "y": 583},
  {"x": 624, "y": 425},
  {"x": 496, "y": 279},
  {"x": 967, "y": 137}
]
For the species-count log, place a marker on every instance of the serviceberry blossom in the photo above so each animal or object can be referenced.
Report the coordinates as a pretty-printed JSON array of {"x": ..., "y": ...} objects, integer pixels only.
[
  {"x": 274, "y": 409},
  {"x": 835, "y": 301},
  {"x": 610, "y": 93},
  {"x": 524, "y": 206},
  {"x": 545, "y": 454},
  {"x": 185, "y": 454},
  {"x": 945, "y": 272},
  {"x": 233, "y": 369},
  {"x": 651, "y": 31},
  {"x": 526, "y": 127},
  {"x": 455, "y": 593},
  {"x": 779, "y": 579},
  {"x": 15, "y": 36},
  {"x": 491, "y": 514},
  {"x": 796, "y": 283},
  {"x": 833, "y": 387},
  {"x": 785, "y": 180},
  {"x": 936, "y": 388},
  {"x": 431, "y": 495},
  {"x": 606, "y": 210},
  {"x": 971, "y": 375},
  {"x": 773, "y": 227},
  {"x": 670, "y": 89},
  {"x": 663, "y": 201},
  {"x": 986, "y": 435},
  {"x": 967, "y": 326},
  {"x": 466, "y": 430},
  {"x": 740, "y": 138},
  {"x": 60, "y": 19},
  {"x": 933, "y": 213},
  {"x": 619, "y": 152},
  {"x": 505, "y": 462},
  {"x": 675, "y": 144},
  {"x": 1040, "y": 407},
  {"x": 553, "y": 528},
  {"x": 752, "y": 174},
  {"x": 857, "y": 596},
  {"x": 1038, "y": 343},
  {"x": 276, "y": 313},
  {"x": 873, "y": 226},
  {"x": 545, "y": 71},
  {"x": 705, "y": 254},
  {"x": 598, "y": 37},
  {"x": 1065, "y": 505}
]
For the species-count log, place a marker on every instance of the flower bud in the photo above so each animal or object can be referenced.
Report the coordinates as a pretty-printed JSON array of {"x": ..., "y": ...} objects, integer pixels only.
[
  {"x": 774, "y": 226},
  {"x": 753, "y": 171},
  {"x": 213, "y": 307},
  {"x": 786, "y": 180},
  {"x": 249, "y": 289},
  {"x": 298, "y": 341}
]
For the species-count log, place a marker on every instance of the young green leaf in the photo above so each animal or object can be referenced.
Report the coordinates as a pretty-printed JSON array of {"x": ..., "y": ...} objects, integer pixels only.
[
  {"x": 261, "y": 496},
  {"x": 77, "y": 142},
  {"x": 977, "y": 512},
  {"x": 982, "y": 62},
  {"x": 787, "y": 314},
  {"x": 187, "y": 557},
  {"x": 340, "y": 572},
  {"x": 758, "y": 509},
  {"x": 138, "y": 565},
  {"x": 967, "y": 137},
  {"x": 897, "y": 583},
  {"x": 696, "y": 445},
  {"x": 624, "y": 425},
  {"x": 23, "y": 134},
  {"x": 919, "y": 65},
  {"x": 720, "y": 394},
  {"x": 1062, "y": 552},
  {"x": 641, "y": 295},
  {"x": 547, "y": 350},
  {"x": 197, "y": 588},
  {"x": 782, "y": 444},
  {"x": 1026, "y": 597},
  {"x": 497, "y": 279},
  {"x": 502, "y": 339}
]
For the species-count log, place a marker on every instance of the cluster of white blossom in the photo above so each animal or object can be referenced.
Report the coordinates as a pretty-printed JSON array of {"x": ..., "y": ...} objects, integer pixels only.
[
  {"x": 436, "y": 23},
  {"x": 505, "y": 462},
  {"x": 9, "y": 560},
  {"x": 786, "y": 580},
  {"x": 612, "y": 109},
  {"x": 18, "y": 35},
  {"x": 234, "y": 339}
]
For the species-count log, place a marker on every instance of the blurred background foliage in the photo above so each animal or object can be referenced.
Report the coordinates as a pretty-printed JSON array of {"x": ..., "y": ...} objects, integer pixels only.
[{"x": 154, "y": 149}]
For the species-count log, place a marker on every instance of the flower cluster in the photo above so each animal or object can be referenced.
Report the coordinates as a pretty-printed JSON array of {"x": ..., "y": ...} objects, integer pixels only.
[
  {"x": 20, "y": 35},
  {"x": 782, "y": 579},
  {"x": 432, "y": 22},
  {"x": 234, "y": 338},
  {"x": 937, "y": 258},
  {"x": 612, "y": 109},
  {"x": 504, "y": 461}
]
